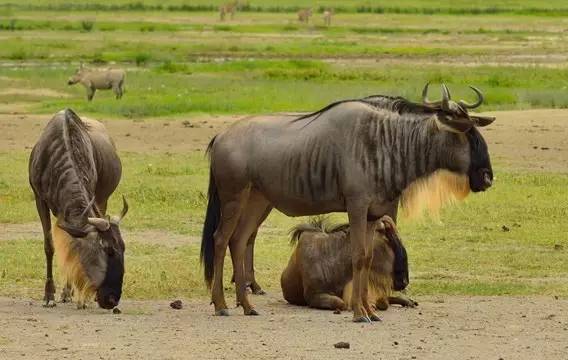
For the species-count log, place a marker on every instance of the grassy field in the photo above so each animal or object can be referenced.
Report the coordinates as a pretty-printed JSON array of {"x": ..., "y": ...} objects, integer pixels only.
[
  {"x": 183, "y": 62},
  {"x": 455, "y": 256}
]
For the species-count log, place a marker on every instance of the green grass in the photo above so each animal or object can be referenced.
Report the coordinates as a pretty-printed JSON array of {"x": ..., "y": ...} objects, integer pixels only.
[
  {"x": 181, "y": 60},
  {"x": 461, "y": 7},
  {"x": 264, "y": 86},
  {"x": 466, "y": 253}
]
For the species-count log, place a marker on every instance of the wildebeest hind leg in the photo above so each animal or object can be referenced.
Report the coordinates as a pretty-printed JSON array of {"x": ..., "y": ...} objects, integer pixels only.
[
  {"x": 326, "y": 301},
  {"x": 251, "y": 218},
  {"x": 43, "y": 211},
  {"x": 230, "y": 212}
]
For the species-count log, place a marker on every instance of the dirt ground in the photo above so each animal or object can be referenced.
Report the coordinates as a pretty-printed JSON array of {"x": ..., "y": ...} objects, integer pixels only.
[
  {"x": 440, "y": 328},
  {"x": 444, "y": 328}
]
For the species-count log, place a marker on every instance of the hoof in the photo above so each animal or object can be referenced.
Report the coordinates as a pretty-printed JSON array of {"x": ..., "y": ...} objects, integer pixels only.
[
  {"x": 259, "y": 292},
  {"x": 222, "y": 312},
  {"x": 252, "y": 312},
  {"x": 81, "y": 306},
  {"x": 375, "y": 317},
  {"x": 362, "y": 319},
  {"x": 49, "y": 304}
]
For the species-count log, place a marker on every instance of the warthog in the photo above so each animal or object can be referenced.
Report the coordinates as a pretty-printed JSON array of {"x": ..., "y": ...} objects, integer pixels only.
[
  {"x": 327, "y": 14},
  {"x": 228, "y": 8},
  {"x": 356, "y": 156},
  {"x": 94, "y": 80},
  {"x": 74, "y": 169},
  {"x": 304, "y": 15},
  {"x": 319, "y": 273}
]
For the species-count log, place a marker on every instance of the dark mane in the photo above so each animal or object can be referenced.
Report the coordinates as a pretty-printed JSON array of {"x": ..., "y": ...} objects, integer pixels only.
[
  {"x": 316, "y": 224},
  {"x": 396, "y": 104},
  {"x": 81, "y": 162}
]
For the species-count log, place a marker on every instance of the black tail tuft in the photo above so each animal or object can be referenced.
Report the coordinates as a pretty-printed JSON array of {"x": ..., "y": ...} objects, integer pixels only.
[{"x": 212, "y": 219}]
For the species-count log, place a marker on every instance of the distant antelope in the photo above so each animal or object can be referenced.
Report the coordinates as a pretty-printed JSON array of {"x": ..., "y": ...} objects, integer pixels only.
[
  {"x": 304, "y": 15},
  {"x": 228, "y": 8},
  {"x": 327, "y": 14}
]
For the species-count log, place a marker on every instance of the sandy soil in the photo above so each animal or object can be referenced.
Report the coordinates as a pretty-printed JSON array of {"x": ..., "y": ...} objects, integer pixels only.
[
  {"x": 441, "y": 328},
  {"x": 452, "y": 328}
]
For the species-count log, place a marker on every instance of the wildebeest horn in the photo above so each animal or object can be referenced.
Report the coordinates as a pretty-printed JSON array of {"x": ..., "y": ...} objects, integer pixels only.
[
  {"x": 89, "y": 205},
  {"x": 124, "y": 208},
  {"x": 425, "y": 100},
  {"x": 479, "y": 99},
  {"x": 445, "y": 98},
  {"x": 99, "y": 223}
]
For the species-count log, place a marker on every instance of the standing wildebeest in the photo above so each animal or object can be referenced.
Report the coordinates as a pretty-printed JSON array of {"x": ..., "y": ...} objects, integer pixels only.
[
  {"x": 304, "y": 15},
  {"x": 94, "y": 80},
  {"x": 319, "y": 272},
  {"x": 354, "y": 156},
  {"x": 327, "y": 14},
  {"x": 74, "y": 169},
  {"x": 228, "y": 8}
]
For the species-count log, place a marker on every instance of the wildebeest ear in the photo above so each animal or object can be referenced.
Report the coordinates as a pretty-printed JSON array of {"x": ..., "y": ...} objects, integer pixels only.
[{"x": 482, "y": 120}]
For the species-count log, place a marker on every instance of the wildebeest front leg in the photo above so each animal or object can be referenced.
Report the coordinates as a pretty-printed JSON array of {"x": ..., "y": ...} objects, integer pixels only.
[
  {"x": 325, "y": 301},
  {"x": 371, "y": 227},
  {"x": 49, "y": 292},
  {"x": 67, "y": 293},
  {"x": 357, "y": 214},
  {"x": 402, "y": 301}
]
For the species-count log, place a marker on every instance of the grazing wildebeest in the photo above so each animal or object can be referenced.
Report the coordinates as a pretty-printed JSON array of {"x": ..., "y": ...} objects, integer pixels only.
[
  {"x": 73, "y": 170},
  {"x": 355, "y": 156},
  {"x": 304, "y": 15},
  {"x": 228, "y": 8},
  {"x": 327, "y": 14},
  {"x": 94, "y": 80},
  {"x": 319, "y": 272}
]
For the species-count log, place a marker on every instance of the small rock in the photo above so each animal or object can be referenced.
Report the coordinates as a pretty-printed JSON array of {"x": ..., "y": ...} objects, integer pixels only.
[
  {"x": 545, "y": 148},
  {"x": 505, "y": 228},
  {"x": 116, "y": 311},
  {"x": 342, "y": 345},
  {"x": 558, "y": 247},
  {"x": 177, "y": 305},
  {"x": 396, "y": 343}
]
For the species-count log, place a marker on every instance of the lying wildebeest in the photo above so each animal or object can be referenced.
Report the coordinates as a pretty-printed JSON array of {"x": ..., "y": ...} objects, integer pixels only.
[
  {"x": 319, "y": 272},
  {"x": 355, "y": 156},
  {"x": 74, "y": 169},
  {"x": 94, "y": 80}
]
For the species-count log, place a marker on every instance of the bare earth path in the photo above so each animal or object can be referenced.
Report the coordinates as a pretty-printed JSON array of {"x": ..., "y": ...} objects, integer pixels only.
[
  {"x": 441, "y": 328},
  {"x": 452, "y": 328}
]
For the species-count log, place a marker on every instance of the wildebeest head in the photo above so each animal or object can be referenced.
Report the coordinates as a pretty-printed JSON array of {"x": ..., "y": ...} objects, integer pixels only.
[
  {"x": 453, "y": 118},
  {"x": 387, "y": 228},
  {"x": 79, "y": 73},
  {"x": 96, "y": 255}
]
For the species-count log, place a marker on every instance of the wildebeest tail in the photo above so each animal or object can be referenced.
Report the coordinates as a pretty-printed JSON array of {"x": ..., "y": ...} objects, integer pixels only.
[{"x": 212, "y": 219}]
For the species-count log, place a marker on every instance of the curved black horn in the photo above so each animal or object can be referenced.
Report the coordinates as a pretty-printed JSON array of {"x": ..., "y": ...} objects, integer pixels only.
[
  {"x": 445, "y": 98},
  {"x": 124, "y": 208},
  {"x": 425, "y": 100},
  {"x": 479, "y": 99}
]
